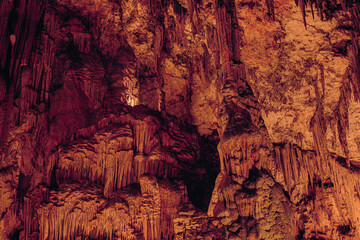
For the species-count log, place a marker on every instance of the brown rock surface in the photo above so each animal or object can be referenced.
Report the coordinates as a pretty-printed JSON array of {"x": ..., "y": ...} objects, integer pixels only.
[{"x": 179, "y": 119}]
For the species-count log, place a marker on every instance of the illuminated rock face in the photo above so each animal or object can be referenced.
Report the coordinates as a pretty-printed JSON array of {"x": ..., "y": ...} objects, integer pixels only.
[{"x": 226, "y": 119}]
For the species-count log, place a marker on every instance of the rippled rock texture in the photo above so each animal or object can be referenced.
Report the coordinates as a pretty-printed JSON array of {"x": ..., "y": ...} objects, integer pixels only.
[{"x": 179, "y": 119}]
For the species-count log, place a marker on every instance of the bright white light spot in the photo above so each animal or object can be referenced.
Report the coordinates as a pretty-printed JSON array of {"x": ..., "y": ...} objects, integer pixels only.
[{"x": 130, "y": 101}]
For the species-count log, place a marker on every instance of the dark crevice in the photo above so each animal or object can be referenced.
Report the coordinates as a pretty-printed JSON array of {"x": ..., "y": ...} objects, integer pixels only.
[
  {"x": 201, "y": 184},
  {"x": 23, "y": 187}
]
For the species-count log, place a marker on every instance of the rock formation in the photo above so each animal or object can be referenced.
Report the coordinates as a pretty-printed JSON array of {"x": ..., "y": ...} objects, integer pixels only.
[{"x": 179, "y": 119}]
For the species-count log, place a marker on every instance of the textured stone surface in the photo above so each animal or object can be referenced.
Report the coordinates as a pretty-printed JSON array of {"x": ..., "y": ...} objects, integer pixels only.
[{"x": 229, "y": 119}]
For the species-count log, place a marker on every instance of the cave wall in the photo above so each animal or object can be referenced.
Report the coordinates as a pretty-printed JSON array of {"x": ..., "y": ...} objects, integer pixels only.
[{"x": 179, "y": 119}]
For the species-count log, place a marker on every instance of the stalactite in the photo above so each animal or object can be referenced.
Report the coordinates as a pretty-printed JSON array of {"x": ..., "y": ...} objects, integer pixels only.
[
  {"x": 302, "y": 6},
  {"x": 34, "y": 81},
  {"x": 121, "y": 148},
  {"x": 299, "y": 167},
  {"x": 6, "y": 117},
  {"x": 6, "y": 11},
  {"x": 83, "y": 42},
  {"x": 326, "y": 8},
  {"x": 24, "y": 32},
  {"x": 342, "y": 114},
  {"x": 140, "y": 130},
  {"x": 354, "y": 70},
  {"x": 346, "y": 184},
  {"x": 180, "y": 13},
  {"x": 287, "y": 166},
  {"x": 224, "y": 34},
  {"x": 318, "y": 122},
  {"x": 354, "y": 59},
  {"x": 83, "y": 213},
  {"x": 158, "y": 208},
  {"x": 28, "y": 214},
  {"x": 109, "y": 157},
  {"x": 239, "y": 154}
]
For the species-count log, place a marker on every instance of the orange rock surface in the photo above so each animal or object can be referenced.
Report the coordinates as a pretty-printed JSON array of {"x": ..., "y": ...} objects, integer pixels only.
[{"x": 179, "y": 119}]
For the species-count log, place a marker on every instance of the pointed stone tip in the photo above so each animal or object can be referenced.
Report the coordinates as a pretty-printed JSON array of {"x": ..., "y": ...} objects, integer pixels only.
[{"x": 12, "y": 40}]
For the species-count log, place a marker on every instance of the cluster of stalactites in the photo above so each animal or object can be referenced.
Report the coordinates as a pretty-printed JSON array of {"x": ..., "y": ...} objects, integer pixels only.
[
  {"x": 159, "y": 206},
  {"x": 32, "y": 56},
  {"x": 303, "y": 168},
  {"x": 325, "y": 8},
  {"x": 119, "y": 157},
  {"x": 354, "y": 54},
  {"x": 76, "y": 213},
  {"x": 351, "y": 79},
  {"x": 17, "y": 34},
  {"x": 113, "y": 169},
  {"x": 347, "y": 186},
  {"x": 81, "y": 211},
  {"x": 298, "y": 167},
  {"x": 238, "y": 154},
  {"x": 151, "y": 208}
]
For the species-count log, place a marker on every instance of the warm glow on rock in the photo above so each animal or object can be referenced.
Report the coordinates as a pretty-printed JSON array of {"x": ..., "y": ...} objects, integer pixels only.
[{"x": 180, "y": 119}]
